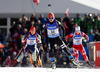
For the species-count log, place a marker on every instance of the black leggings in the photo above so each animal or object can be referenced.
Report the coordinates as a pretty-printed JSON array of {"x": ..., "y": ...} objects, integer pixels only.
[{"x": 60, "y": 43}]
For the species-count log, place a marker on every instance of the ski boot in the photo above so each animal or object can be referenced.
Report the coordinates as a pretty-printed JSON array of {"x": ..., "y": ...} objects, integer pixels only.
[
  {"x": 34, "y": 64},
  {"x": 53, "y": 63},
  {"x": 16, "y": 64},
  {"x": 89, "y": 64}
]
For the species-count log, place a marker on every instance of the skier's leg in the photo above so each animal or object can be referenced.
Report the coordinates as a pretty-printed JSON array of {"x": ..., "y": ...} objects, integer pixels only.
[
  {"x": 31, "y": 58},
  {"x": 83, "y": 52},
  {"x": 76, "y": 54},
  {"x": 51, "y": 53},
  {"x": 34, "y": 58}
]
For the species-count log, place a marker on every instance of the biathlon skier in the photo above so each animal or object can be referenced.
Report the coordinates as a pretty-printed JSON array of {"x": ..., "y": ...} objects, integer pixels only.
[
  {"x": 31, "y": 42},
  {"x": 52, "y": 28},
  {"x": 77, "y": 44}
]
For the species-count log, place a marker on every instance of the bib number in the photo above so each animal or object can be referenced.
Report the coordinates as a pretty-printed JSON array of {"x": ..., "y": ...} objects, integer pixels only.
[
  {"x": 31, "y": 42},
  {"x": 52, "y": 31}
]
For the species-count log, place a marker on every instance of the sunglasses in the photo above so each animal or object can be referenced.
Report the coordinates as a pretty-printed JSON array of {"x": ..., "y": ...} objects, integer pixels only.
[{"x": 50, "y": 18}]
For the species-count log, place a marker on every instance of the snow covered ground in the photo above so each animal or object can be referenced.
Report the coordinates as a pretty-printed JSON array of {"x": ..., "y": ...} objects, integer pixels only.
[
  {"x": 82, "y": 68},
  {"x": 31, "y": 69}
]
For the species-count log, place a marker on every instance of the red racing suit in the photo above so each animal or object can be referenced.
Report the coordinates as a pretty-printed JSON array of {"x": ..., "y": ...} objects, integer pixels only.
[{"x": 77, "y": 44}]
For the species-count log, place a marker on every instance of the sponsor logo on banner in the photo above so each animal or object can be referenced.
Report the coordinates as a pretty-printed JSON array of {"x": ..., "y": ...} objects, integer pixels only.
[{"x": 98, "y": 53}]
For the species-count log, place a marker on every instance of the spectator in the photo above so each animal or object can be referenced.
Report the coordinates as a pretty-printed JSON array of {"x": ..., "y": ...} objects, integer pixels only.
[
  {"x": 11, "y": 42},
  {"x": 20, "y": 30},
  {"x": 95, "y": 16},
  {"x": 28, "y": 24},
  {"x": 90, "y": 17},
  {"x": 42, "y": 19},
  {"x": 33, "y": 18},
  {"x": 19, "y": 21},
  {"x": 44, "y": 36},
  {"x": 78, "y": 20},
  {"x": 2, "y": 37},
  {"x": 97, "y": 36},
  {"x": 15, "y": 49},
  {"x": 97, "y": 23},
  {"x": 90, "y": 26},
  {"x": 25, "y": 32},
  {"x": 16, "y": 35},
  {"x": 7, "y": 62},
  {"x": 10, "y": 60},
  {"x": 66, "y": 28},
  {"x": 7, "y": 50},
  {"x": 17, "y": 38},
  {"x": 24, "y": 19},
  {"x": 24, "y": 25},
  {"x": 13, "y": 56},
  {"x": 68, "y": 23},
  {"x": 60, "y": 60},
  {"x": 91, "y": 35},
  {"x": 39, "y": 27},
  {"x": 33, "y": 23},
  {"x": 13, "y": 27},
  {"x": 85, "y": 23},
  {"x": 95, "y": 28}
]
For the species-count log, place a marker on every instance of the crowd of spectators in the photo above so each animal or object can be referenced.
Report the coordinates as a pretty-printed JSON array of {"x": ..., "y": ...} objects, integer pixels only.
[{"x": 90, "y": 24}]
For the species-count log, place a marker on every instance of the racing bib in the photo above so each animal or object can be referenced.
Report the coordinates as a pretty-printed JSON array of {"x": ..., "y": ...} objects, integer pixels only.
[
  {"x": 53, "y": 32},
  {"x": 31, "y": 42},
  {"x": 77, "y": 41}
]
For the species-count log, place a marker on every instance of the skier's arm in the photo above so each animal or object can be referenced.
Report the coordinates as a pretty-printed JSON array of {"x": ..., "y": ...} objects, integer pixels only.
[
  {"x": 62, "y": 27},
  {"x": 69, "y": 36},
  {"x": 39, "y": 41},
  {"x": 44, "y": 26},
  {"x": 84, "y": 35},
  {"x": 24, "y": 38}
]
